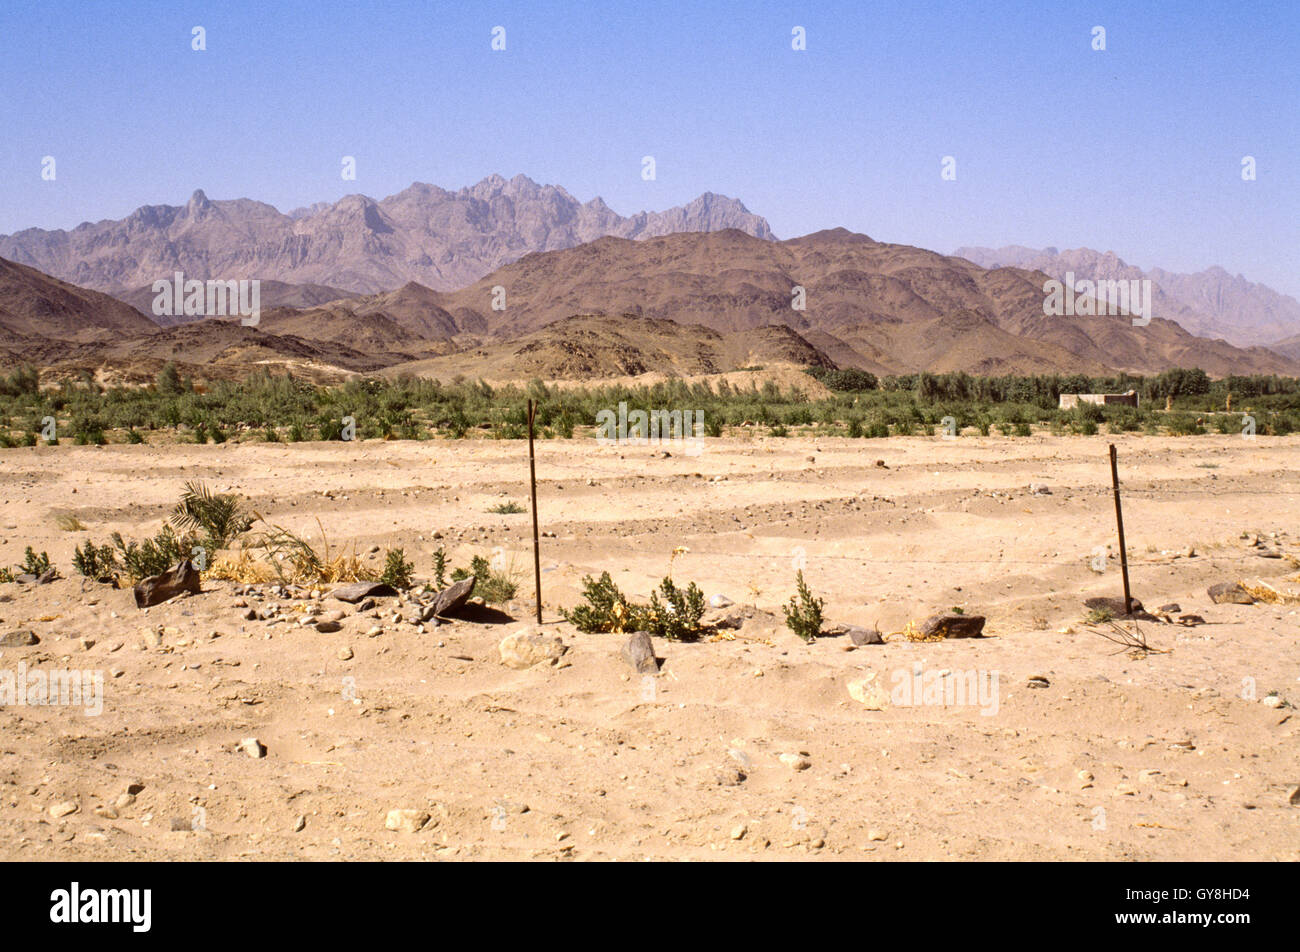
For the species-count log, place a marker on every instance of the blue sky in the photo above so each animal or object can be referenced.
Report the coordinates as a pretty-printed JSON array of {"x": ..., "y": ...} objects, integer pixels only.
[{"x": 1136, "y": 149}]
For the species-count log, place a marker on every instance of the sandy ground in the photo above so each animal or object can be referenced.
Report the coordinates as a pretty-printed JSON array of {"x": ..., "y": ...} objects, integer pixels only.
[{"x": 1168, "y": 756}]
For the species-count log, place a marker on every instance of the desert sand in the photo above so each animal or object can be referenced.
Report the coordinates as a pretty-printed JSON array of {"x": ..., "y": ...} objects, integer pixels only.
[{"x": 1178, "y": 755}]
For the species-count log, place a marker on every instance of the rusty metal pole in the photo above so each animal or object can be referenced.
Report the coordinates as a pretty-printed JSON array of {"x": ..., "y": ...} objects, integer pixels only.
[
  {"x": 1119, "y": 521},
  {"x": 532, "y": 481}
]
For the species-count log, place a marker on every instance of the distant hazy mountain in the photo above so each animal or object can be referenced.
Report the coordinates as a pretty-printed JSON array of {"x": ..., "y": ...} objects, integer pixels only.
[
  {"x": 1210, "y": 303},
  {"x": 443, "y": 240}
]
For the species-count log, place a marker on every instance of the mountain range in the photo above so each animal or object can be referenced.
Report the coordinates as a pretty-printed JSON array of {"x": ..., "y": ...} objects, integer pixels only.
[
  {"x": 687, "y": 303},
  {"x": 441, "y": 239},
  {"x": 1209, "y": 303}
]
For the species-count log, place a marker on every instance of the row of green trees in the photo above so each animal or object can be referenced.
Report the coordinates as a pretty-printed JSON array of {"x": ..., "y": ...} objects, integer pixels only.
[{"x": 281, "y": 407}]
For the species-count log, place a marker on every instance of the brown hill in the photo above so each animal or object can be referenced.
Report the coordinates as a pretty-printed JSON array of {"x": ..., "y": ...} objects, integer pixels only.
[
  {"x": 883, "y": 307},
  {"x": 35, "y": 306},
  {"x": 272, "y": 294},
  {"x": 1287, "y": 348},
  {"x": 587, "y": 347},
  {"x": 213, "y": 349}
]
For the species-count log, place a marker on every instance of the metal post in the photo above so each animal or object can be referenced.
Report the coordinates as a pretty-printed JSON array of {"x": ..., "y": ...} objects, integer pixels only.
[
  {"x": 1119, "y": 521},
  {"x": 532, "y": 480}
]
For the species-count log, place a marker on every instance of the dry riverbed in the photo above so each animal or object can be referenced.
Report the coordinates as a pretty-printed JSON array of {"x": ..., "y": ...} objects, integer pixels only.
[{"x": 745, "y": 746}]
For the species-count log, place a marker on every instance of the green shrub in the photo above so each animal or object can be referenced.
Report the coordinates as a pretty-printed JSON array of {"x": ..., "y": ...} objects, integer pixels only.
[
  {"x": 95, "y": 562},
  {"x": 606, "y": 608},
  {"x": 494, "y": 587},
  {"x": 152, "y": 556},
  {"x": 397, "y": 571},
  {"x": 677, "y": 616},
  {"x": 34, "y": 564},
  {"x": 803, "y": 614},
  {"x": 440, "y": 568}
]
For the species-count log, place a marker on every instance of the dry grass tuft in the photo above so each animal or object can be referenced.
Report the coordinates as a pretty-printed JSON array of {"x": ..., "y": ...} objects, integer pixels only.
[
  {"x": 287, "y": 557},
  {"x": 68, "y": 522},
  {"x": 912, "y": 633},
  {"x": 241, "y": 567},
  {"x": 1263, "y": 592}
]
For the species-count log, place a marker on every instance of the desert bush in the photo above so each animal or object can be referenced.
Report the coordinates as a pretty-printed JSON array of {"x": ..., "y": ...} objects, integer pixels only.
[
  {"x": 493, "y": 586},
  {"x": 34, "y": 564},
  {"x": 677, "y": 616},
  {"x": 397, "y": 571},
  {"x": 440, "y": 568},
  {"x": 803, "y": 613},
  {"x": 606, "y": 608},
  {"x": 95, "y": 562},
  {"x": 152, "y": 556}
]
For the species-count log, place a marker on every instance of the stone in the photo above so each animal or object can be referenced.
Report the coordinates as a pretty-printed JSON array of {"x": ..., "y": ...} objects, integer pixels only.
[
  {"x": 1040, "y": 489},
  {"x": 252, "y": 747},
  {"x": 328, "y": 627},
  {"x": 449, "y": 599},
  {"x": 406, "y": 821},
  {"x": 953, "y": 626},
  {"x": 1272, "y": 700},
  {"x": 1293, "y": 797},
  {"x": 159, "y": 588},
  {"x": 18, "y": 639},
  {"x": 722, "y": 620},
  {"x": 48, "y": 576},
  {"x": 1113, "y": 605},
  {"x": 1230, "y": 593},
  {"x": 523, "y": 649},
  {"x": 345, "y": 653},
  {"x": 864, "y": 636},
  {"x": 64, "y": 808},
  {"x": 867, "y": 693},
  {"x": 738, "y": 833},
  {"x": 299, "y": 823},
  {"x": 795, "y": 761},
  {"x": 720, "y": 601},
  {"x": 1038, "y": 681},
  {"x": 639, "y": 652},
  {"x": 1173, "y": 608},
  {"x": 725, "y": 775},
  {"x": 355, "y": 591}
]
